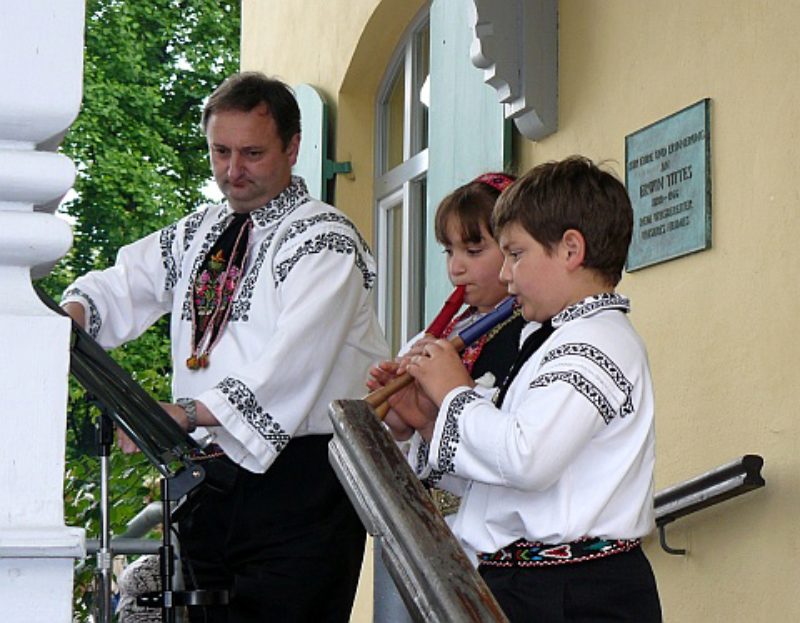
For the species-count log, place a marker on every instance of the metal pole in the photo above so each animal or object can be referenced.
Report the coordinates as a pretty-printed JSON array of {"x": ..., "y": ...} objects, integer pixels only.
[
  {"x": 103, "y": 573},
  {"x": 166, "y": 556}
]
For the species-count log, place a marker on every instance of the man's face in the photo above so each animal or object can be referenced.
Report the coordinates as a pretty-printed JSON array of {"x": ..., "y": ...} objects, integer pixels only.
[{"x": 249, "y": 162}]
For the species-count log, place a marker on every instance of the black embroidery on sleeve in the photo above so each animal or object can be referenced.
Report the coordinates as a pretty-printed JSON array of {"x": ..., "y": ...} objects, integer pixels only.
[
  {"x": 450, "y": 434},
  {"x": 245, "y": 402},
  {"x": 298, "y": 227},
  {"x": 94, "y": 322},
  {"x": 167, "y": 241},
  {"x": 329, "y": 241},
  {"x": 602, "y": 361},
  {"x": 583, "y": 386}
]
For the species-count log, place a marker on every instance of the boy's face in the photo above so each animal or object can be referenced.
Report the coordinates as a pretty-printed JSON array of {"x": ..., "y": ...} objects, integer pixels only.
[
  {"x": 475, "y": 265},
  {"x": 539, "y": 280}
]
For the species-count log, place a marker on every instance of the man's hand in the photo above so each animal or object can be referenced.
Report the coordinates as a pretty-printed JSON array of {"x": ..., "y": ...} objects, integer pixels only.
[
  {"x": 76, "y": 312},
  {"x": 178, "y": 413},
  {"x": 125, "y": 443}
]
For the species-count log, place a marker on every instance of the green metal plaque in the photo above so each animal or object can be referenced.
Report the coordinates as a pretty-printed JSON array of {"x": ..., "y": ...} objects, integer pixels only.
[{"x": 668, "y": 177}]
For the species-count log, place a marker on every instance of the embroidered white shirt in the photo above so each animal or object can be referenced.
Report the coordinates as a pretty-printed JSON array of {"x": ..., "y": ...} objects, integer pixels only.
[
  {"x": 571, "y": 452},
  {"x": 302, "y": 330}
]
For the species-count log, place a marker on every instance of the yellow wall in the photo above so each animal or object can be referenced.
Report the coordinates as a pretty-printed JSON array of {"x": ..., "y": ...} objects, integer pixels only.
[
  {"x": 341, "y": 47},
  {"x": 719, "y": 324}
]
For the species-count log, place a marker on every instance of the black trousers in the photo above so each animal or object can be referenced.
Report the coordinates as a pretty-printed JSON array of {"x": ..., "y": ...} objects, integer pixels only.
[
  {"x": 620, "y": 587},
  {"x": 287, "y": 544}
]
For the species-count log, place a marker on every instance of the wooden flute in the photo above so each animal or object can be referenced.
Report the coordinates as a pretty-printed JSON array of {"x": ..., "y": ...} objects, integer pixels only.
[
  {"x": 460, "y": 341},
  {"x": 435, "y": 329}
]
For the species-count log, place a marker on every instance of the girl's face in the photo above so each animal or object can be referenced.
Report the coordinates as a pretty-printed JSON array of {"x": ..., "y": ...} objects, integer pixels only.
[{"x": 475, "y": 265}]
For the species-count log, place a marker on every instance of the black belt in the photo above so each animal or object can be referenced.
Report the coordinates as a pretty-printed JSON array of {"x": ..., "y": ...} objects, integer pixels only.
[{"x": 211, "y": 451}]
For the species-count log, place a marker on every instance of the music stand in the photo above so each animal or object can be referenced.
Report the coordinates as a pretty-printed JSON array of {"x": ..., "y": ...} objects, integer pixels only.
[{"x": 162, "y": 441}]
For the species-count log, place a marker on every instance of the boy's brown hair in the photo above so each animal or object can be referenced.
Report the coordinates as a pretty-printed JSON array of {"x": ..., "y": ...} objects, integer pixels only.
[
  {"x": 573, "y": 193},
  {"x": 472, "y": 205}
]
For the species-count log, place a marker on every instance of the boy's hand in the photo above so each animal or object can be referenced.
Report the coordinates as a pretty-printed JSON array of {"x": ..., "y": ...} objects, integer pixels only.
[
  {"x": 411, "y": 408},
  {"x": 381, "y": 374},
  {"x": 417, "y": 349},
  {"x": 438, "y": 370}
]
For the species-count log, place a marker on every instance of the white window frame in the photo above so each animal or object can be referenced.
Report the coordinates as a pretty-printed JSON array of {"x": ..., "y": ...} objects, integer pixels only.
[{"x": 401, "y": 188}]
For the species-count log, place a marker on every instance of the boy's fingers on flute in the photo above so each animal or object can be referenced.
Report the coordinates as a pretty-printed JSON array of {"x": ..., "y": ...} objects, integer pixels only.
[
  {"x": 439, "y": 370},
  {"x": 438, "y": 348},
  {"x": 397, "y": 427},
  {"x": 381, "y": 374},
  {"x": 419, "y": 346},
  {"x": 412, "y": 407}
]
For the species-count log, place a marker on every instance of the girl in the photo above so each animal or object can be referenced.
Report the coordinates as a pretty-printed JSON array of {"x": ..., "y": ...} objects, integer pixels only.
[{"x": 463, "y": 227}]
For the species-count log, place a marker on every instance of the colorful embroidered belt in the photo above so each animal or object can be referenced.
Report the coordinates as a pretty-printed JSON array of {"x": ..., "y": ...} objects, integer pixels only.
[{"x": 524, "y": 553}]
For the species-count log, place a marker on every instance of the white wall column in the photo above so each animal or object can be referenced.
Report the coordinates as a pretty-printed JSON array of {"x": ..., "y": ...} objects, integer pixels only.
[{"x": 41, "y": 64}]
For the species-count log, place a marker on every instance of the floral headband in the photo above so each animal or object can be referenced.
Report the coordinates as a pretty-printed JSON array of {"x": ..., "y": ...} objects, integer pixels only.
[{"x": 498, "y": 181}]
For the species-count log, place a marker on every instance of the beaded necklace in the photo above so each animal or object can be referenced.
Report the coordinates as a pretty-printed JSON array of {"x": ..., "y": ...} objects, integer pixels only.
[{"x": 471, "y": 353}]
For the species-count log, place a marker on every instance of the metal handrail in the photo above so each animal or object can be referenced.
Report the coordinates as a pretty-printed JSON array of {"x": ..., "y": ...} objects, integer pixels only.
[
  {"x": 131, "y": 541},
  {"x": 707, "y": 489},
  {"x": 712, "y": 487}
]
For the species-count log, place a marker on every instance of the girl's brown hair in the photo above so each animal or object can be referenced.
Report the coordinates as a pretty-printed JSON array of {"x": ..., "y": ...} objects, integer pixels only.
[{"x": 472, "y": 205}]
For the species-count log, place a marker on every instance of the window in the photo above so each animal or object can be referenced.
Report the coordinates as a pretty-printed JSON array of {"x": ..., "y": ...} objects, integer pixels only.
[{"x": 400, "y": 185}]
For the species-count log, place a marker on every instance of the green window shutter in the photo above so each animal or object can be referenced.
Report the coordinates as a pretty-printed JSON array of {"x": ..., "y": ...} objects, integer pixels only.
[
  {"x": 468, "y": 133},
  {"x": 313, "y": 163}
]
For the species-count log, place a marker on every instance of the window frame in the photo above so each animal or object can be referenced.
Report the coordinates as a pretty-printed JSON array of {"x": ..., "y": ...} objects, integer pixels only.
[{"x": 403, "y": 186}]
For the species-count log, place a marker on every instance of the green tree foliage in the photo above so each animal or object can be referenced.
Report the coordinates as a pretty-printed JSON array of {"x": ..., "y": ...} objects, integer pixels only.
[{"x": 142, "y": 164}]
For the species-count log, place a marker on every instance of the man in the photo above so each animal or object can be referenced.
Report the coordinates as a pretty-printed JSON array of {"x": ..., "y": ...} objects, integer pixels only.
[{"x": 270, "y": 295}]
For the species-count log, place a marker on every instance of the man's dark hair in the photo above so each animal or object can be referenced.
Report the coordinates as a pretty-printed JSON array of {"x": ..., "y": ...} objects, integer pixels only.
[
  {"x": 573, "y": 193},
  {"x": 246, "y": 90}
]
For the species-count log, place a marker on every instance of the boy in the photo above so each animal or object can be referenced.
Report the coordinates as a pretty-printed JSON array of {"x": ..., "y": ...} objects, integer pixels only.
[{"x": 559, "y": 471}]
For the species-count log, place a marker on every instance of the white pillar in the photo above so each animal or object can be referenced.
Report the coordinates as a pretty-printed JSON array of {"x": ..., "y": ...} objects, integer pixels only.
[{"x": 41, "y": 63}]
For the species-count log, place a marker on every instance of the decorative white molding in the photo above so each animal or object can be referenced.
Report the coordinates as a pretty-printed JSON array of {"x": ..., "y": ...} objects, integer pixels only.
[
  {"x": 42, "y": 543},
  {"x": 41, "y": 56},
  {"x": 516, "y": 44}
]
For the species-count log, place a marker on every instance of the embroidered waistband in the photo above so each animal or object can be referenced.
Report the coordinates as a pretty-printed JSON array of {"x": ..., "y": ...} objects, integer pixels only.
[{"x": 524, "y": 553}]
